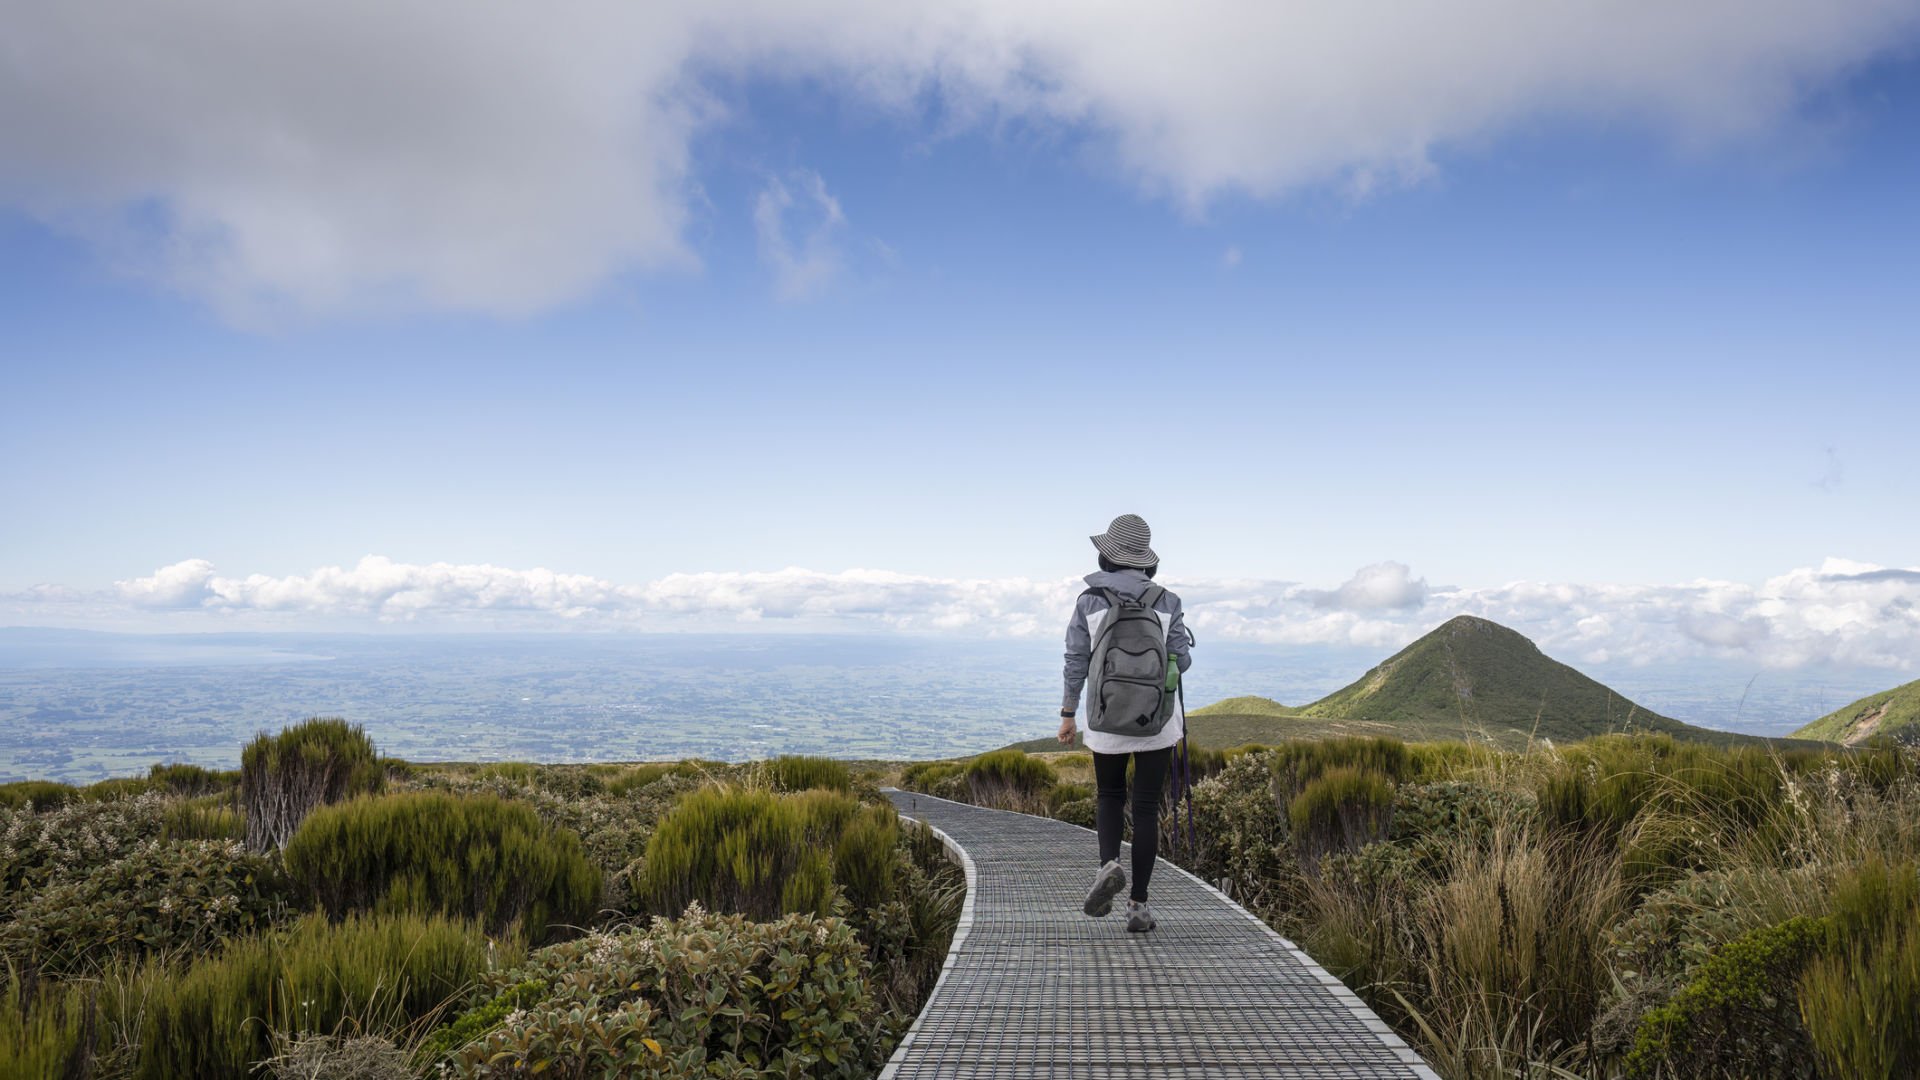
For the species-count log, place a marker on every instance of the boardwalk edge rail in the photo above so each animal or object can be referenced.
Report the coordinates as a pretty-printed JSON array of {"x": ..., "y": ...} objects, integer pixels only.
[
  {"x": 957, "y": 854},
  {"x": 1361, "y": 1011}
]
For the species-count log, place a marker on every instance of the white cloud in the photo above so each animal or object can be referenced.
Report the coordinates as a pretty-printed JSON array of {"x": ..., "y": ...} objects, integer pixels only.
[
  {"x": 182, "y": 585},
  {"x": 1380, "y": 587},
  {"x": 380, "y": 587},
  {"x": 804, "y": 268},
  {"x": 1842, "y": 613},
  {"x": 508, "y": 157}
]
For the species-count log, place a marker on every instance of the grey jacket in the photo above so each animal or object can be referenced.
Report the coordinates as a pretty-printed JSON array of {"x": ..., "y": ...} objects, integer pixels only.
[{"x": 1091, "y": 610}]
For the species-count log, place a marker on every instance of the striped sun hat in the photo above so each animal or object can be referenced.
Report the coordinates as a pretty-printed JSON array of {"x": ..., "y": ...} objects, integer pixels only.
[{"x": 1125, "y": 542}]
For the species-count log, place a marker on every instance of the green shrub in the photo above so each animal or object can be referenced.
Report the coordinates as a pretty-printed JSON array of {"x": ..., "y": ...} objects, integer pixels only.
[
  {"x": 1738, "y": 1016},
  {"x": 1007, "y": 775},
  {"x": 476, "y": 856},
  {"x": 158, "y": 899},
  {"x": 614, "y": 832},
  {"x": 1081, "y": 812},
  {"x": 1603, "y": 784},
  {"x": 38, "y": 848},
  {"x": 516, "y": 773},
  {"x": 1071, "y": 803},
  {"x": 1883, "y": 764},
  {"x": 475, "y": 1023},
  {"x": 36, "y": 794},
  {"x": 210, "y": 817},
  {"x": 1429, "y": 817},
  {"x": 922, "y": 776},
  {"x": 864, "y": 859},
  {"x": 1297, "y": 764},
  {"x": 637, "y": 777},
  {"x": 1243, "y": 835},
  {"x": 192, "y": 780},
  {"x": 706, "y": 995},
  {"x": 763, "y": 855},
  {"x": 1062, "y": 794},
  {"x": 907, "y": 937},
  {"x": 119, "y": 787},
  {"x": 285, "y": 777},
  {"x": 1204, "y": 761},
  {"x": 1858, "y": 1001},
  {"x": 1342, "y": 809},
  {"x": 735, "y": 851},
  {"x": 793, "y": 772},
  {"x": 47, "y": 1029},
  {"x": 515, "y": 778},
  {"x": 1676, "y": 928},
  {"x": 1441, "y": 761},
  {"x": 218, "y": 1019}
]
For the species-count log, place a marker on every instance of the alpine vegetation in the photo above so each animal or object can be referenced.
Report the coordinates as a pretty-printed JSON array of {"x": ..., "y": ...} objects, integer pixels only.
[
  {"x": 285, "y": 777},
  {"x": 1630, "y": 907},
  {"x": 476, "y": 857},
  {"x": 395, "y": 920}
]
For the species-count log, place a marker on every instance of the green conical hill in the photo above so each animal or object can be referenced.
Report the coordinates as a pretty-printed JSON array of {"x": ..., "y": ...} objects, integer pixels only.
[
  {"x": 1892, "y": 713},
  {"x": 1468, "y": 679},
  {"x": 1247, "y": 705},
  {"x": 1475, "y": 678}
]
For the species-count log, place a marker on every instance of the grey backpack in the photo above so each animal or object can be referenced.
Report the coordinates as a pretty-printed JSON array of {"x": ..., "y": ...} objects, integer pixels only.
[{"x": 1127, "y": 673}]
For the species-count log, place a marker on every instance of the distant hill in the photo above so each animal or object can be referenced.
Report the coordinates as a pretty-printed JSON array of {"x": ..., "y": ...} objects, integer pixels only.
[
  {"x": 1468, "y": 679},
  {"x": 1894, "y": 713},
  {"x": 1475, "y": 678},
  {"x": 1249, "y": 705}
]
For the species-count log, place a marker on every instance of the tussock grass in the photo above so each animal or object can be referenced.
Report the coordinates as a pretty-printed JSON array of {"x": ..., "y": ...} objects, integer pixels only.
[
  {"x": 763, "y": 855},
  {"x": 794, "y": 772},
  {"x": 185, "y": 779},
  {"x": 41, "y": 794},
  {"x": 1342, "y": 809},
  {"x": 1011, "y": 779},
  {"x": 476, "y": 857},
  {"x": 48, "y": 1029},
  {"x": 376, "y": 974}
]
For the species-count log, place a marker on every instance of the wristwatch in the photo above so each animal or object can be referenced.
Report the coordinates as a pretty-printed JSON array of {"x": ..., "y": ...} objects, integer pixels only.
[{"x": 1066, "y": 714}]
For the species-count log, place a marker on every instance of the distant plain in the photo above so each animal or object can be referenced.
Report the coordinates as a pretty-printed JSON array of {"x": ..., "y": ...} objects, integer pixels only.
[{"x": 82, "y": 706}]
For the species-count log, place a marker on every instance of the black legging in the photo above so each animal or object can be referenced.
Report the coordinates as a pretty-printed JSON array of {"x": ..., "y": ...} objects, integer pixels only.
[{"x": 1149, "y": 776}]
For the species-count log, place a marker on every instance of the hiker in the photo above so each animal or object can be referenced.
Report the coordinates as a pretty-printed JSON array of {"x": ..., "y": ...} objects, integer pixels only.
[{"x": 1123, "y": 642}]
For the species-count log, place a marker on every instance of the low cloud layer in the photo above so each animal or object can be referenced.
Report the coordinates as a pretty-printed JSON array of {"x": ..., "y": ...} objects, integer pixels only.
[
  {"x": 1841, "y": 613},
  {"x": 509, "y": 158}
]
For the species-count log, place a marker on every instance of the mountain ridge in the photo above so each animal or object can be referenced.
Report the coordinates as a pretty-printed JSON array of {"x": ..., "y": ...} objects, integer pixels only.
[{"x": 1891, "y": 713}]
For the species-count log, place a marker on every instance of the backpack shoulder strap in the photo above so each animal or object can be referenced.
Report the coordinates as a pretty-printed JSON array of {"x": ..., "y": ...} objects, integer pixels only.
[{"x": 1151, "y": 596}]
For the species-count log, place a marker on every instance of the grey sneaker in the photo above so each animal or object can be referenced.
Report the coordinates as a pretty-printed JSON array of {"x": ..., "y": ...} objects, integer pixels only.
[
  {"x": 1139, "y": 917},
  {"x": 1105, "y": 887}
]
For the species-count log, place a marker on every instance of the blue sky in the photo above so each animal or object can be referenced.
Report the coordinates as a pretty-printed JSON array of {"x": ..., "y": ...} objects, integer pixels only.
[{"x": 1633, "y": 345}]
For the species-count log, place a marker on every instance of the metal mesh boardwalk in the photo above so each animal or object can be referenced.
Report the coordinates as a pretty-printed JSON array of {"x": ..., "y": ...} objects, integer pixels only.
[{"x": 1213, "y": 992}]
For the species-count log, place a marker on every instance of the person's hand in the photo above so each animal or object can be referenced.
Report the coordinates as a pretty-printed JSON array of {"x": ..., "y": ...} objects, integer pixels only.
[{"x": 1066, "y": 731}]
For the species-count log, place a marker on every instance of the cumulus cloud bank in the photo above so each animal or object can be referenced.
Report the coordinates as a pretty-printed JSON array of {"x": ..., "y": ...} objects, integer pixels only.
[
  {"x": 1841, "y": 613},
  {"x": 509, "y": 157}
]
